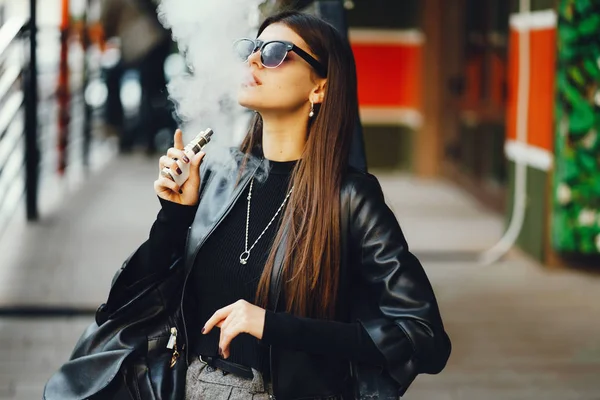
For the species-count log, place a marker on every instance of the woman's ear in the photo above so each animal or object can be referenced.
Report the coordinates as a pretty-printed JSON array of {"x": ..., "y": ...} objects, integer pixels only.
[{"x": 318, "y": 94}]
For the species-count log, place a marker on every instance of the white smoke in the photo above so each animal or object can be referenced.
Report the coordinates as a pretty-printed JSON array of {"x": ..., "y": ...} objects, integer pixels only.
[{"x": 207, "y": 97}]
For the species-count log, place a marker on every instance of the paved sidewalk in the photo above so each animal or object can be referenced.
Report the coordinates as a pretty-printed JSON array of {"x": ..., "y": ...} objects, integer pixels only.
[{"x": 519, "y": 331}]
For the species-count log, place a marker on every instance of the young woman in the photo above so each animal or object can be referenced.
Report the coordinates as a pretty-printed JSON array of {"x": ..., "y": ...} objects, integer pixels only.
[{"x": 297, "y": 281}]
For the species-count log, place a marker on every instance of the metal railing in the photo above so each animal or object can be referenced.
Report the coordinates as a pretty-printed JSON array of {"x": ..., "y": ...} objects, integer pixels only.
[
  {"x": 46, "y": 141},
  {"x": 45, "y": 122},
  {"x": 19, "y": 152}
]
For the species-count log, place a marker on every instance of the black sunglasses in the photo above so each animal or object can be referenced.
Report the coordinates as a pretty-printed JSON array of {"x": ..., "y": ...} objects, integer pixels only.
[{"x": 273, "y": 52}]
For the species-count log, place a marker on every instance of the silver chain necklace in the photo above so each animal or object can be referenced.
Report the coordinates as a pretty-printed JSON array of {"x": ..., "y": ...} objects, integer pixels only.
[{"x": 246, "y": 254}]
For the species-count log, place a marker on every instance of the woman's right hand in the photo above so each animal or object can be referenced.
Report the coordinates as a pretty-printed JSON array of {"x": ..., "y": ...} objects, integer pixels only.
[{"x": 165, "y": 188}]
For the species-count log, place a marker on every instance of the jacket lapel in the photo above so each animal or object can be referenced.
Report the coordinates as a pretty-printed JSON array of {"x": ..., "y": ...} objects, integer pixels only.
[{"x": 220, "y": 194}]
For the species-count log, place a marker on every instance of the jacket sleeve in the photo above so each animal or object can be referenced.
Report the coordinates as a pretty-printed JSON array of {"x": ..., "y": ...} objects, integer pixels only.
[
  {"x": 400, "y": 311},
  {"x": 318, "y": 336}
]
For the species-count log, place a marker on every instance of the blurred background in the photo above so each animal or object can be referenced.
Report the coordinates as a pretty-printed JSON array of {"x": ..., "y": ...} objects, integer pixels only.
[{"x": 479, "y": 117}]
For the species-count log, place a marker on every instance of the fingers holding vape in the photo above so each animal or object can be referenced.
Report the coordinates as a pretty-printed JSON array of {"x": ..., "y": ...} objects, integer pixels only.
[
  {"x": 166, "y": 187},
  {"x": 179, "y": 177}
]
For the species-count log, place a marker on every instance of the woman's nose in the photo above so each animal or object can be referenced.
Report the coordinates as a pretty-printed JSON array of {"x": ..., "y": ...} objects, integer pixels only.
[{"x": 254, "y": 59}]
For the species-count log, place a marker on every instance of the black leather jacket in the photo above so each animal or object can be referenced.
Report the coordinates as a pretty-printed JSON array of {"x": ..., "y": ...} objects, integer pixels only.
[{"x": 383, "y": 286}]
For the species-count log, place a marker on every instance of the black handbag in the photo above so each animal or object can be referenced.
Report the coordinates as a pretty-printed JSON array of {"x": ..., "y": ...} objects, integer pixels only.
[{"x": 134, "y": 349}]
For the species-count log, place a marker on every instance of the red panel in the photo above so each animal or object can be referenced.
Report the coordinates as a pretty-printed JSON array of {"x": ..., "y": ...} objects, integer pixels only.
[
  {"x": 542, "y": 84},
  {"x": 388, "y": 75},
  {"x": 498, "y": 78},
  {"x": 473, "y": 74}
]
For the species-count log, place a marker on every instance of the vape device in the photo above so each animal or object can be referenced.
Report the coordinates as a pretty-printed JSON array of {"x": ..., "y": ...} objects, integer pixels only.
[{"x": 193, "y": 148}]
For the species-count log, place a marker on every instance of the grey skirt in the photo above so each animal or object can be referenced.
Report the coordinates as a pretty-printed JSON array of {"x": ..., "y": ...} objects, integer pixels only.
[{"x": 205, "y": 383}]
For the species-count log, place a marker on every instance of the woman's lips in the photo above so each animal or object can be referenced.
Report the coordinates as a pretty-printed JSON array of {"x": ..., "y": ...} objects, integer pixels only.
[
  {"x": 251, "y": 80},
  {"x": 255, "y": 80}
]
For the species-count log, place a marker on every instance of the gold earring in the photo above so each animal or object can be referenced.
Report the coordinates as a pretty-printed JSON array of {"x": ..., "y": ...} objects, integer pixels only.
[{"x": 312, "y": 110}]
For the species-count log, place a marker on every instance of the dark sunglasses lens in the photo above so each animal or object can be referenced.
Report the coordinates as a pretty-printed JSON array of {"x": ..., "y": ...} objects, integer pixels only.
[
  {"x": 273, "y": 54},
  {"x": 243, "y": 48}
]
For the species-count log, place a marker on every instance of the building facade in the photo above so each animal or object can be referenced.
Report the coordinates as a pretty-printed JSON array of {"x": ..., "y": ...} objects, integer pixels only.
[{"x": 478, "y": 91}]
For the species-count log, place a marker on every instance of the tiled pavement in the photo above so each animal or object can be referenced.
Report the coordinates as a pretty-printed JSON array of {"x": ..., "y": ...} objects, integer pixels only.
[{"x": 519, "y": 330}]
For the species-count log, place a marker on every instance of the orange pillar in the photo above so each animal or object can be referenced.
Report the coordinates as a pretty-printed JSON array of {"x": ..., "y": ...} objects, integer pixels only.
[
  {"x": 428, "y": 147},
  {"x": 63, "y": 92}
]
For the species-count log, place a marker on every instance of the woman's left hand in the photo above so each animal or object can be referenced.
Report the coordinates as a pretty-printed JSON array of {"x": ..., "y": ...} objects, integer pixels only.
[{"x": 236, "y": 318}]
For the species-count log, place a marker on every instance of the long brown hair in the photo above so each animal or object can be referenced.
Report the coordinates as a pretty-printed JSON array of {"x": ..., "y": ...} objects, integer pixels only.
[{"x": 313, "y": 252}]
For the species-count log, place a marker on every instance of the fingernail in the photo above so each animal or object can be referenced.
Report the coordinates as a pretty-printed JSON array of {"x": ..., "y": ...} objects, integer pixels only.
[
  {"x": 203, "y": 329},
  {"x": 178, "y": 170},
  {"x": 185, "y": 159}
]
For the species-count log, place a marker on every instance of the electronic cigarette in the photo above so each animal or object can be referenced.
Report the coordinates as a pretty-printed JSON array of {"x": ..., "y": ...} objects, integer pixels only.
[{"x": 193, "y": 148}]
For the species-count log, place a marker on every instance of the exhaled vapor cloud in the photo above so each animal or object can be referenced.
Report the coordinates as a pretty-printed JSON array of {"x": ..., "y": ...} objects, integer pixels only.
[
  {"x": 207, "y": 97},
  {"x": 204, "y": 31}
]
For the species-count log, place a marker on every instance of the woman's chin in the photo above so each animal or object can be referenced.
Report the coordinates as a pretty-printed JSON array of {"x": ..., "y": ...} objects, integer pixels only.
[{"x": 247, "y": 100}]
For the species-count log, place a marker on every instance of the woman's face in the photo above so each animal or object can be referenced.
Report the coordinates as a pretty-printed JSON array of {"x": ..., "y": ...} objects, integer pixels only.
[{"x": 284, "y": 89}]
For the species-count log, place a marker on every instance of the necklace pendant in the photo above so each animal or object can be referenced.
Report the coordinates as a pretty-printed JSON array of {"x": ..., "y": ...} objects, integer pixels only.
[{"x": 244, "y": 257}]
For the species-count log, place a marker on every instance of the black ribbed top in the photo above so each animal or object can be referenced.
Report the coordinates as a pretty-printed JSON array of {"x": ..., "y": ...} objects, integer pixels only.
[{"x": 219, "y": 279}]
